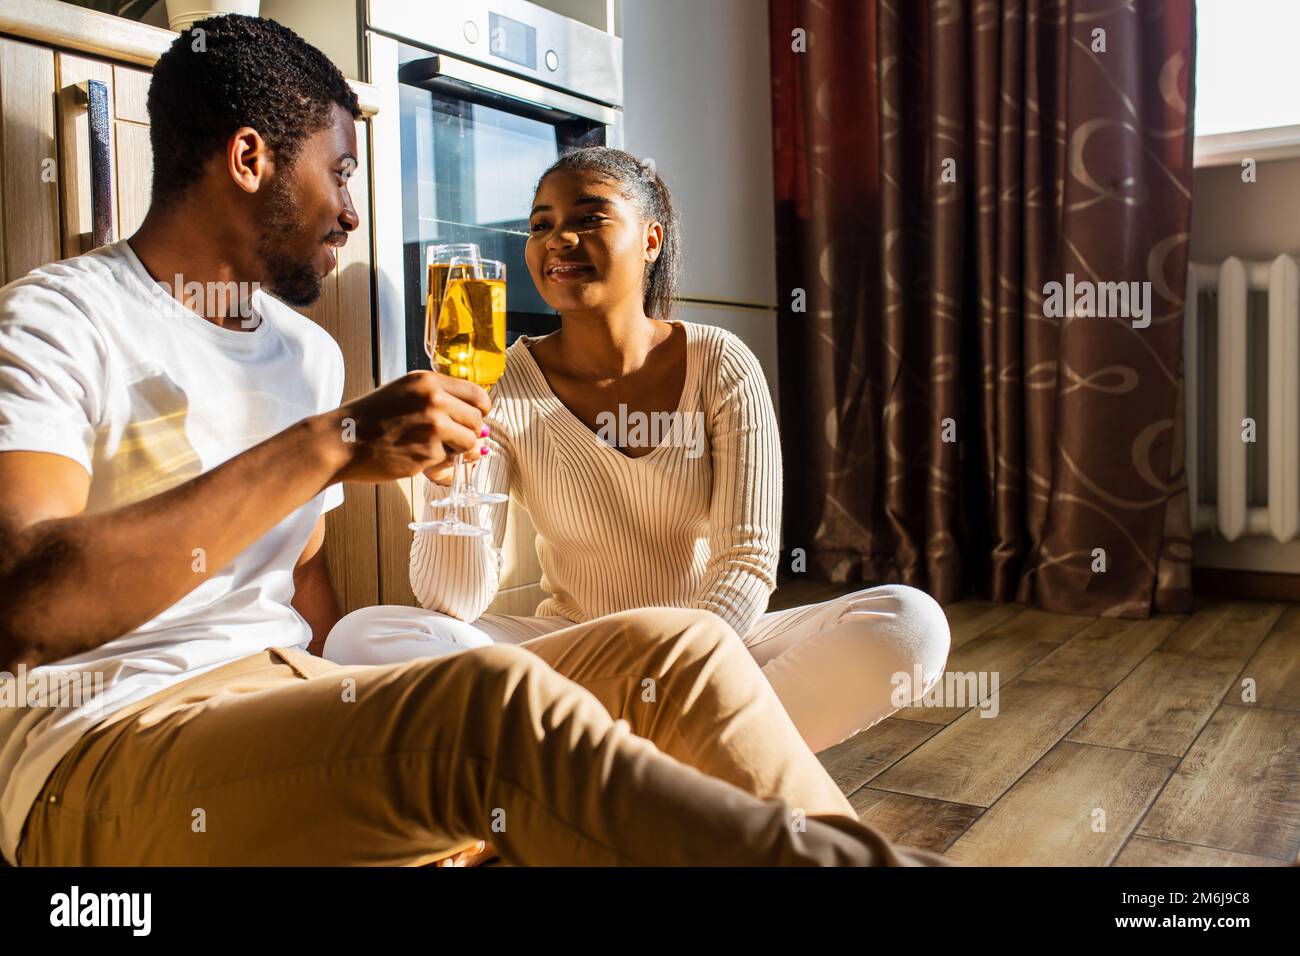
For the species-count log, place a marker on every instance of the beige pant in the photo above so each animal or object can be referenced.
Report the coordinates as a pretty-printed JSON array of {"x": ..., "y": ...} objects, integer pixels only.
[{"x": 648, "y": 737}]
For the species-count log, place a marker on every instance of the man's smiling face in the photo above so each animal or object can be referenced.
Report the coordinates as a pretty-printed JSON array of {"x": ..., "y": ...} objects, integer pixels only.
[{"x": 307, "y": 212}]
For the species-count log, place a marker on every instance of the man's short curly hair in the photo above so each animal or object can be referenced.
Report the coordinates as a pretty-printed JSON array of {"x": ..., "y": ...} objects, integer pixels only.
[{"x": 240, "y": 71}]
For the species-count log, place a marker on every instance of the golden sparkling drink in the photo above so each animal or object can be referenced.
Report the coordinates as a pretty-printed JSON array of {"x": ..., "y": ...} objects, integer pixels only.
[
  {"x": 438, "y": 276},
  {"x": 466, "y": 320}
]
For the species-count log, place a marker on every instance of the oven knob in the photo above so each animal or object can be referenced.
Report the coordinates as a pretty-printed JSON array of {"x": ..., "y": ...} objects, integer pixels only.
[
  {"x": 471, "y": 31},
  {"x": 552, "y": 60}
]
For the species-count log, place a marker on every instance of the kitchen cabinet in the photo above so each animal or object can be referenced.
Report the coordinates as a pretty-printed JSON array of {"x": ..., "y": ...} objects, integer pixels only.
[
  {"x": 128, "y": 156},
  {"x": 29, "y": 200},
  {"x": 58, "y": 134}
]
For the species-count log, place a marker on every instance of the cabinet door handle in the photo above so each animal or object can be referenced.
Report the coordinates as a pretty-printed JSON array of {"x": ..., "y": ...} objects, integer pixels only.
[{"x": 93, "y": 94}]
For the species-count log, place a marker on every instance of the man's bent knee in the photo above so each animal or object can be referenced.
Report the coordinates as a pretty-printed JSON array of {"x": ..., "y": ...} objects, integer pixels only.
[{"x": 688, "y": 633}]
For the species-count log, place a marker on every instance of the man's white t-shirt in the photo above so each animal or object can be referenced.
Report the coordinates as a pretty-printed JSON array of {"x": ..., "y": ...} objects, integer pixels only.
[{"x": 100, "y": 365}]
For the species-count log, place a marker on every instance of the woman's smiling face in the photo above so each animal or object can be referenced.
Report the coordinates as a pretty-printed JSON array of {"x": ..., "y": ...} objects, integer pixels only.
[{"x": 587, "y": 245}]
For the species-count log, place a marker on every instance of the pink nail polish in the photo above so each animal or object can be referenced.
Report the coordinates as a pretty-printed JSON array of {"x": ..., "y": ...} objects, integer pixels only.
[
  {"x": 484, "y": 450},
  {"x": 483, "y": 432}
]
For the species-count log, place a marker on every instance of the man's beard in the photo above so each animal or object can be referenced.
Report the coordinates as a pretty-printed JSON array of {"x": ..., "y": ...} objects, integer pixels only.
[{"x": 297, "y": 283}]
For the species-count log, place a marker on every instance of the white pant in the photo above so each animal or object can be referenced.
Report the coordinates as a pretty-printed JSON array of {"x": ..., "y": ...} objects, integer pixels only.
[{"x": 833, "y": 664}]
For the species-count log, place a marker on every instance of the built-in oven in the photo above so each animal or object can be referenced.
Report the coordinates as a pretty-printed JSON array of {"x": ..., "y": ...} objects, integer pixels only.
[{"x": 478, "y": 98}]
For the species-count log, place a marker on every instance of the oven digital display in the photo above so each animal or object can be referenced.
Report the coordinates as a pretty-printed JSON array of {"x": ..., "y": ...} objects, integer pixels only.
[{"x": 512, "y": 40}]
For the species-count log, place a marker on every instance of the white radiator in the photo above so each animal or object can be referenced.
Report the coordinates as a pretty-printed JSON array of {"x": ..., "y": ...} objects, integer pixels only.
[{"x": 1231, "y": 513}]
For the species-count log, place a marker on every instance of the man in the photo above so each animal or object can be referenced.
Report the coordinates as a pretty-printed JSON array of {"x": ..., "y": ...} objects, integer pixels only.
[{"x": 165, "y": 459}]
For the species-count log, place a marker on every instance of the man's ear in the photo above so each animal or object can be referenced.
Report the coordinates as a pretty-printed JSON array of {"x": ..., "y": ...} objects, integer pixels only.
[
  {"x": 654, "y": 241},
  {"x": 248, "y": 159}
]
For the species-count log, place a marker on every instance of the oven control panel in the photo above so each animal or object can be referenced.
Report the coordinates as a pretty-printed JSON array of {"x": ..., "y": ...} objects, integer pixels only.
[{"x": 513, "y": 36}]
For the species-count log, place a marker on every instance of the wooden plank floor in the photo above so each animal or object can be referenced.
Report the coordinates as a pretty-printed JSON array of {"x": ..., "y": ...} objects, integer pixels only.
[{"x": 1173, "y": 741}]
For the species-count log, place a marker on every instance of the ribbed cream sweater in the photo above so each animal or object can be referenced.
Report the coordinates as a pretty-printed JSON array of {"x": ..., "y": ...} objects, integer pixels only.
[{"x": 687, "y": 525}]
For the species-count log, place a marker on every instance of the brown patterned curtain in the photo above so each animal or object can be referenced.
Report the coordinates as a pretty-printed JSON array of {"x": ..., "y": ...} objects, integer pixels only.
[{"x": 937, "y": 165}]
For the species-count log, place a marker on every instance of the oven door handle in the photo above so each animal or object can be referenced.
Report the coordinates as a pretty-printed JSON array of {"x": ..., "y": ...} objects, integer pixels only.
[{"x": 475, "y": 84}]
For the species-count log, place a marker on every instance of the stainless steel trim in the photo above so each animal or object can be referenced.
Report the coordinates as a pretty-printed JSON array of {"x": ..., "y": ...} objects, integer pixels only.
[
  {"x": 614, "y": 131},
  {"x": 386, "y": 199}
]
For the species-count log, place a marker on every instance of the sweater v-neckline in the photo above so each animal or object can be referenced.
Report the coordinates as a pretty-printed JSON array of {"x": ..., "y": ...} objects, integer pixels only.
[{"x": 557, "y": 410}]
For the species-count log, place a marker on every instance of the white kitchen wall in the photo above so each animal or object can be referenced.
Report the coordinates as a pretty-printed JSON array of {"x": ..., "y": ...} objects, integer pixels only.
[{"x": 698, "y": 102}]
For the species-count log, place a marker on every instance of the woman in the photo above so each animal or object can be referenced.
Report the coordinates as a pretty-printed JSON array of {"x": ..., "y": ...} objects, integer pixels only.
[{"x": 646, "y": 453}]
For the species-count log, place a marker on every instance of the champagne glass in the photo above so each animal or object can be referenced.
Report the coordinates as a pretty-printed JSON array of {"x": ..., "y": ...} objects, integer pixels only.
[
  {"x": 465, "y": 335},
  {"x": 471, "y": 344},
  {"x": 439, "y": 259}
]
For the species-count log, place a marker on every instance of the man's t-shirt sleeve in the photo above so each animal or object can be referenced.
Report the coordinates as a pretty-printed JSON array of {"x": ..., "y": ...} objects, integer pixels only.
[{"x": 52, "y": 362}]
